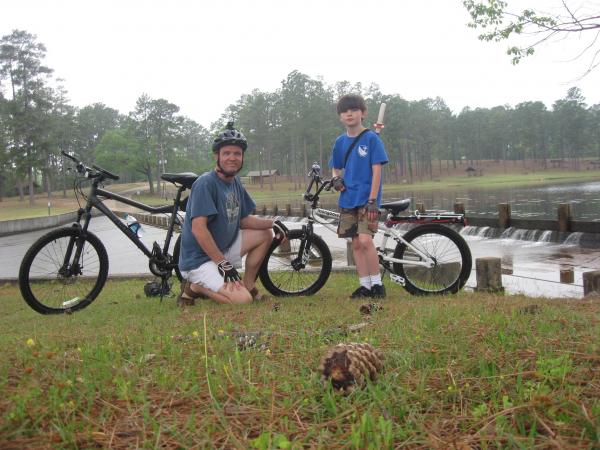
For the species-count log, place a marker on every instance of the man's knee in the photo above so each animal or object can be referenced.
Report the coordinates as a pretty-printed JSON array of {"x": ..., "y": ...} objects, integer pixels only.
[
  {"x": 256, "y": 238},
  {"x": 237, "y": 296},
  {"x": 266, "y": 236}
]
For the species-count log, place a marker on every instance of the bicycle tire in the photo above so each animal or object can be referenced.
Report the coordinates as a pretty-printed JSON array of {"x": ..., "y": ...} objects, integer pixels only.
[
  {"x": 279, "y": 277},
  {"x": 176, "y": 250},
  {"x": 451, "y": 253},
  {"x": 46, "y": 290}
]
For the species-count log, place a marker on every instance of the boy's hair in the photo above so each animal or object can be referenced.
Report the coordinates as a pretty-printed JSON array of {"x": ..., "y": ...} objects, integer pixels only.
[{"x": 351, "y": 101}]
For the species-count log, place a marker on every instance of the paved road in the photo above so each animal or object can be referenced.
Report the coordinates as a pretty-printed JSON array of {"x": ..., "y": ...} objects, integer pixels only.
[{"x": 123, "y": 256}]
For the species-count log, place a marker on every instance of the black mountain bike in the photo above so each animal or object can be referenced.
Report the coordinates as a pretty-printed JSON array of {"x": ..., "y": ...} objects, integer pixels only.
[
  {"x": 429, "y": 258},
  {"x": 65, "y": 270}
]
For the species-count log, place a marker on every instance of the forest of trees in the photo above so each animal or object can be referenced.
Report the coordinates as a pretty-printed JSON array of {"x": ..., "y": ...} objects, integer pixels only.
[{"x": 287, "y": 129}]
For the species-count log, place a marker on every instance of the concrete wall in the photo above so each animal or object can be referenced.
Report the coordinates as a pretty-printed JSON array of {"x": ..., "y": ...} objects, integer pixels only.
[{"x": 37, "y": 223}]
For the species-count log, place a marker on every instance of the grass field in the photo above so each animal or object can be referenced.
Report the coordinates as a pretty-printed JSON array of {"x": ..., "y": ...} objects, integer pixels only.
[{"x": 468, "y": 371}]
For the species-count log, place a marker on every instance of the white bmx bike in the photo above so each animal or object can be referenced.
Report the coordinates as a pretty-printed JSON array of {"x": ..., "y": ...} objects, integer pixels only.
[{"x": 430, "y": 258}]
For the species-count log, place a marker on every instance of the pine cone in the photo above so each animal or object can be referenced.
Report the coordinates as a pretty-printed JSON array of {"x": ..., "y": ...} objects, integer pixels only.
[
  {"x": 369, "y": 308},
  {"x": 348, "y": 366}
]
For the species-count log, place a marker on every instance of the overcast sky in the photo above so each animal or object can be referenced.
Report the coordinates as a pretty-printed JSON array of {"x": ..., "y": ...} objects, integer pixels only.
[{"x": 203, "y": 54}]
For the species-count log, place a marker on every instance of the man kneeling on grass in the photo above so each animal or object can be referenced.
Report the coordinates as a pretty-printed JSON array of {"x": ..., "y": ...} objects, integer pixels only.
[{"x": 219, "y": 230}]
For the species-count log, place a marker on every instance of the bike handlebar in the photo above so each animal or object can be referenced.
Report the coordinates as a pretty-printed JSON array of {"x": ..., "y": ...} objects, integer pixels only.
[
  {"x": 93, "y": 172},
  {"x": 321, "y": 184}
]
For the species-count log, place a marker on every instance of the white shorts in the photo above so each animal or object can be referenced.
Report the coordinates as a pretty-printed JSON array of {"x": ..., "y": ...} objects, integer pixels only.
[{"x": 208, "y": 276}]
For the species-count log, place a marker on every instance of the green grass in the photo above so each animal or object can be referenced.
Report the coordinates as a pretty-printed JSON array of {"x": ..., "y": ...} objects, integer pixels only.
[
  {"x": 26, "y": 212},
  {"x": 465, "y": 371}
]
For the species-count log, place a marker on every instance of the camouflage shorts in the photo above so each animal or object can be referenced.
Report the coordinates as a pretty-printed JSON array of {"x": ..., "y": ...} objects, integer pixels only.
[{"x": 354, "y": 222}]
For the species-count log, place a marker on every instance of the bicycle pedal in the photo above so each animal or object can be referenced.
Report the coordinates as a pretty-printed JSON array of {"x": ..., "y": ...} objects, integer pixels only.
[{"x": 397, "y": 279}]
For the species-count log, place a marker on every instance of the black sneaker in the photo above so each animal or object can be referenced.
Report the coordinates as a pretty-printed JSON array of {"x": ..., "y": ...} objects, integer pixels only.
[
  {"x": 378, "y": 291},
  {"x": 361, "y": 292}
]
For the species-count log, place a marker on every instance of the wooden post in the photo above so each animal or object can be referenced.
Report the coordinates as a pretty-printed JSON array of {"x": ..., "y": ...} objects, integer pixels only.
[
  {"x": 264, "y": 210},
  {"x": 591, "y": 282},
  {"x": 349, "y": 253},
  {"x": 504, "y": 215},
  {"x": 288, "y": 210},
  {"x": 507, "y": 265},
  {"x": 567, "y": 275},
  {"x": 275, "y": 209},
  {"x": 421, "y": 207},
  {"x": 564, "y": 217},
  {"x": 489, "y": 274},
  {"x": 459, "y": 208},
  {"x": 303, "y": 210}
]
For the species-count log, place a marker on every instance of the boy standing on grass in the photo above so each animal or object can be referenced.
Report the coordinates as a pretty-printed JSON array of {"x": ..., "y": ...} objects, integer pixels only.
[{"x": 360, "y": 154}]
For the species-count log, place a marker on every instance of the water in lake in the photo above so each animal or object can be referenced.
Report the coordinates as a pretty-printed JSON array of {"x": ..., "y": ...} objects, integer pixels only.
[{"x": 527, "y": 202}]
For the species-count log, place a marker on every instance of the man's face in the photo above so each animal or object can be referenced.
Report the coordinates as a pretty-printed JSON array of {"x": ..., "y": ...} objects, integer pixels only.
[
  {"x": 352, "y": 117},
  {"x": 230, "y": 159}
]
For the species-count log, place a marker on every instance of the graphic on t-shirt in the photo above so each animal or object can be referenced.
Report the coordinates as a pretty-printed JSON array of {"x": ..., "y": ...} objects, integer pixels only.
[
  {"x": 233, "y": 207},
  {"x": 363, "y": 150}
]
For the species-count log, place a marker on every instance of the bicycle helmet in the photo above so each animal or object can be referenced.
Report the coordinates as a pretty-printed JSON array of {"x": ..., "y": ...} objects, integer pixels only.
[{"x": 230, "y": 136}]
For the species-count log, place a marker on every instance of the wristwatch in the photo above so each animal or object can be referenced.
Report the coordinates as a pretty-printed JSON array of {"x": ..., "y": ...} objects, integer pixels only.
[{"x": 371, "y": 200}]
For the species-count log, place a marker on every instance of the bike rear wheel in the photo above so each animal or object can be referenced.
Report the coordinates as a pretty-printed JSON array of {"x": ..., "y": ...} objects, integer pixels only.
[
  {"x": 451, "y": 256},
  {"x": 49, "y": 286},
  {"x": 285, "y": 271}
]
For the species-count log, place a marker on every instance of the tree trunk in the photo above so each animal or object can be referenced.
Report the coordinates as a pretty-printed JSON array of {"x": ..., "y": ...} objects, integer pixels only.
[
  {"x": 158, "y": 178},
  {"x": 321, "y": 150},
  {"x": 64, "y": 181},
  {"x": 409, "y": 163},
  {"x": 148, "y": 173},
  {"x": 48, "y": 184},
  {"x": 20, "y": 189},
  {"x": 305, "y": 155},
  {"x": 270, "y": 159},
  {"x": 260, "y": 174},
  {"x": 30, "y": 182}
]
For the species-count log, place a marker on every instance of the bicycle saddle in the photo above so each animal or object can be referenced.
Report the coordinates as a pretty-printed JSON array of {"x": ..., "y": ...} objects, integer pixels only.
[
  {"x": 186, "y": 179},
  {"x": 396, "y": 206}
]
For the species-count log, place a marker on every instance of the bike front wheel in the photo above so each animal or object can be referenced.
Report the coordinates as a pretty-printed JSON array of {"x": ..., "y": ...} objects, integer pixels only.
[
  {"x": 449, "y": 252},
  {"x": 292, "y": 269},
  {"x": 52, "y": 282}
]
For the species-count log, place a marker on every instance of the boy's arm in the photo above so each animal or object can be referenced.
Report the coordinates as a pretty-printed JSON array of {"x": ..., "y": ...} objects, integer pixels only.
[
  {"x": 376, "y": 181},
  {"x": 372, "y": 209}
]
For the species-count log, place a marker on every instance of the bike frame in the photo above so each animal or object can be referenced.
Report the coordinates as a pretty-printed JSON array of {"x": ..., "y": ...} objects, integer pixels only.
[
  {"x": 95, "y": 200},
  {"x": 386, "y": 230},
  {"x": 386, "y": 233}
]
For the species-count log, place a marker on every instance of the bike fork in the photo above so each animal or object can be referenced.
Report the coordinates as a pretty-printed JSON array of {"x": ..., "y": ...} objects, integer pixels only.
[
  {"x": 303, "y": 252},
  {"x": 69, "y": 268}
]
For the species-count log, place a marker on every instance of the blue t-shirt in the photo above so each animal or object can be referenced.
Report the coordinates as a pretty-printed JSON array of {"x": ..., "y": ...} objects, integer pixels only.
[
  {"x": 358, "y": 173},
  {"x": 225, "y": 204}
]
